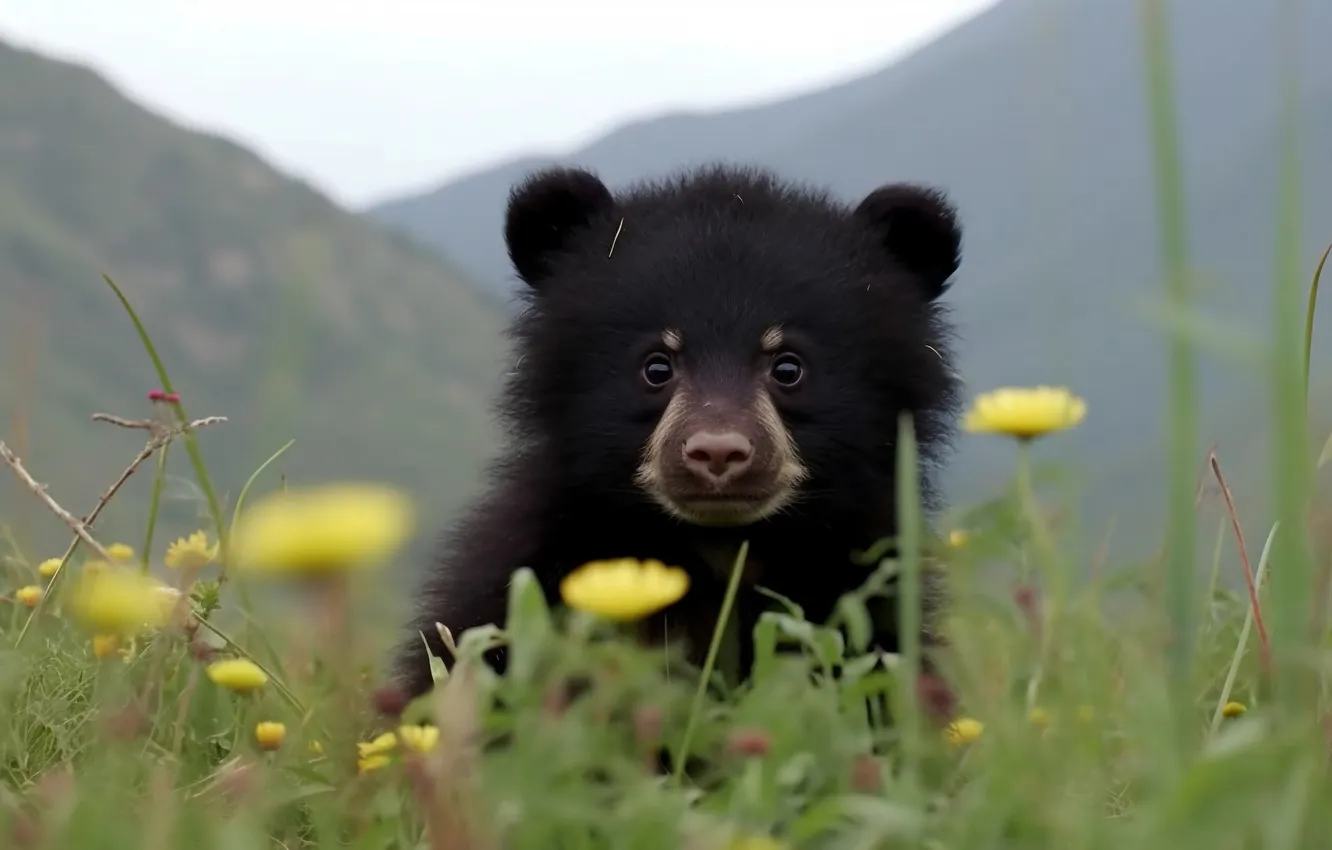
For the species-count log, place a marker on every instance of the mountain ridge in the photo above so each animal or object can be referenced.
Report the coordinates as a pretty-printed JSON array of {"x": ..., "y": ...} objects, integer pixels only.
[{"x": 270, "y": 304}]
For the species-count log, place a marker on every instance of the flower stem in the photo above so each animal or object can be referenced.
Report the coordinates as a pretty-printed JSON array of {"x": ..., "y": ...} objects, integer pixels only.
[
  {"x": 1039, "y": 533},
  {"x": 718, "y": 632}
]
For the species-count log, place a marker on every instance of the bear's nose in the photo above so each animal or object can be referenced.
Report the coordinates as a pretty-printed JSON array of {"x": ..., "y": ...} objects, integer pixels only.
[{"x": 718, "y": 456}]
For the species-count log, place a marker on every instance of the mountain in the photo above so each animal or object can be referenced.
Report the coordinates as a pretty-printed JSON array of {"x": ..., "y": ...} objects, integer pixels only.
[
  {"x": 1034, "y": 116},
  {"x": 268, "y": 303}
]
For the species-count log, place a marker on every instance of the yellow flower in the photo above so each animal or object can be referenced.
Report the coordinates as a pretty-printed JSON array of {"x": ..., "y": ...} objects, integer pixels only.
[
  {"x": 95, "y": 565},
  {"x": 419, "y": 738},
  {"x": 269, "y": 734},
  {"x": 322, "y": 529},
  {"x": 1025, "y": 412},
  {"x": 372, "y": 755},
  {"x": 1039, "y": 717},
  {"x": 48, "y": 568},
  {"x": 385, "y": 743},
  {"x": 118, "y": 601},
  {"x": 121, "y": 552},
  {"x": 369, "y": 763},
  {"x": 104, "y": 645},
  {"x": 30, "y": 595},
  {"x": 237, "y": 674},
  {"x": 623, "y": 589},
  {"x": 957, "y": 538},
  {"x": 1233, "y": 709},
  {"x": 191, "y": 552},
  {"x": 964, "y": 730}
]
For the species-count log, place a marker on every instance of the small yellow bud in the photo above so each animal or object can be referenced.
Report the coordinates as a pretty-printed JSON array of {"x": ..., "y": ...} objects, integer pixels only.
[
  {"x": 48, "y": 568},
  {"x": 269, "y": 734},
  {"x": 964, "y": 730},
  {"x": 237, "y": 674},
  {"x": 1233, "y": 709},
  {"x": 122, "y": 552},
  {"x": 30, "y": 595},
  {"x": 104, "y": 645}
]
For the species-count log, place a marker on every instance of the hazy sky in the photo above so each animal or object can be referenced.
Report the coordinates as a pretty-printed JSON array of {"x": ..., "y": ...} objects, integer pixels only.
[{"x": 369, "y": 97}]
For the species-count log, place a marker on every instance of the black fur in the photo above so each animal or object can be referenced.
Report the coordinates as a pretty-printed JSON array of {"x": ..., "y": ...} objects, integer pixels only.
[{"x": 720, "y": 254}]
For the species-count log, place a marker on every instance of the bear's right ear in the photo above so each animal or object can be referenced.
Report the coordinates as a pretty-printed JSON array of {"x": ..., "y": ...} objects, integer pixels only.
[{"x": 544, "y": 211}]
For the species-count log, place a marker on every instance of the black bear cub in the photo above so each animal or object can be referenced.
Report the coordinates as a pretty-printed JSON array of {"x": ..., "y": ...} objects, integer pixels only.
[{"x": 709, "y": 359}]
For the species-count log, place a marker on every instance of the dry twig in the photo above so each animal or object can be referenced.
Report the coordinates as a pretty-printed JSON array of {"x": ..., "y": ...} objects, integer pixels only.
[
  {"x": 161, "y": 433},
  {"x": 1244, "y": 559}
]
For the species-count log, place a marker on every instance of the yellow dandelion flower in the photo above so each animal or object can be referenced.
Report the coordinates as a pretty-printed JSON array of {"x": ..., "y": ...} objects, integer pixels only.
[
  {"x": 104, "y": 645},
  {"x": 1233, "y": 709},
  {"x": 1025, "y": 412},
  {"x": 322, "y": 529},
  {"x": 29, "y": 595},
  {"x": 48, "y": 568},
  {"x": 374, "y": 754},
  {"x": 269, "y": 734},
  {"x": 964, "y": 730},
  {"x": 237, "y": 674},
  {"x": 369, "y": 763},
  {"x": 118, "y": 601},
  {"x": 419, "y": 738},
  {"x": 1039, "y": 717},
  {"x": 385, "y": 743},
  {"x": 191, "y": 552},
  {"x": 121, "y": 552},
  {"x": 957, "y": 538},
  {"x": 623, "y": 589}
]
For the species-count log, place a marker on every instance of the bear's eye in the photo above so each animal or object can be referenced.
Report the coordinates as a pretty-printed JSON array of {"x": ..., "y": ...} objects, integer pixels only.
[
  {"x": 657, "y": 370},
  {"x": 787, "y": 369}
]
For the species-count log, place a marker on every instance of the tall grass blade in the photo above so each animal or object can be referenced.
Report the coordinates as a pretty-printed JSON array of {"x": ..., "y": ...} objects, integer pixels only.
[
  {"x": 1182, "y": 441},
  {"x": 191, "y": 442}
]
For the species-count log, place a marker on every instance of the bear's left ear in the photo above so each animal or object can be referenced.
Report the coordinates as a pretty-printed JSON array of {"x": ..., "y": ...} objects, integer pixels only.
[
  {"x": 919, "y": 228},
  {"x": 544, "y": 211}
]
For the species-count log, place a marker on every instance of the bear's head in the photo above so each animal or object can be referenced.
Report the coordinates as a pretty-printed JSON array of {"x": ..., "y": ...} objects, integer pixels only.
[{"x": 723, "y": 347}]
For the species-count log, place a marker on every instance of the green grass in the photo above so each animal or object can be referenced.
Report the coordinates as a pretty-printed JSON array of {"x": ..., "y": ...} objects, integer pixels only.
[{"x": 1101, "y": 700}]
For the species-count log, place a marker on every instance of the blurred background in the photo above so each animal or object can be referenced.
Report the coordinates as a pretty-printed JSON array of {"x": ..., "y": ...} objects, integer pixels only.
[{"x": 303, "y": 200}]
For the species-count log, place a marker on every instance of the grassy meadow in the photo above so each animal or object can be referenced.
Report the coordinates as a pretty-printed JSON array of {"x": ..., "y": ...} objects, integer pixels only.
[{"x": 225, "y": 690}]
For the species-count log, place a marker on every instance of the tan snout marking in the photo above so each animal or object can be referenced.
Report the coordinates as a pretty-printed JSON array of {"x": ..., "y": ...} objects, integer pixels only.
[
  {"x": 791, "y": 471},
  {"x": 648, "y": 475},
  {"x": 668, "y": 434}
]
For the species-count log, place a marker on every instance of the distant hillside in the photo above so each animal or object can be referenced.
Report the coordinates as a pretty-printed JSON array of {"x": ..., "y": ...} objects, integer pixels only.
[
  {"x": 268, "y": 303},
  {"x": 1033, "y": 115}
]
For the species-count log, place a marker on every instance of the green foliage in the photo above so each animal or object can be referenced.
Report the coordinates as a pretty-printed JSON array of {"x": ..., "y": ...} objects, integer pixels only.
[{"x": 1075, "y": 728}]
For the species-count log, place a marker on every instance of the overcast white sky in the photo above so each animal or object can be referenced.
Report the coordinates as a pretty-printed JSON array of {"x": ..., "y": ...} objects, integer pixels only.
[{"x": 367, "y": 98}]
